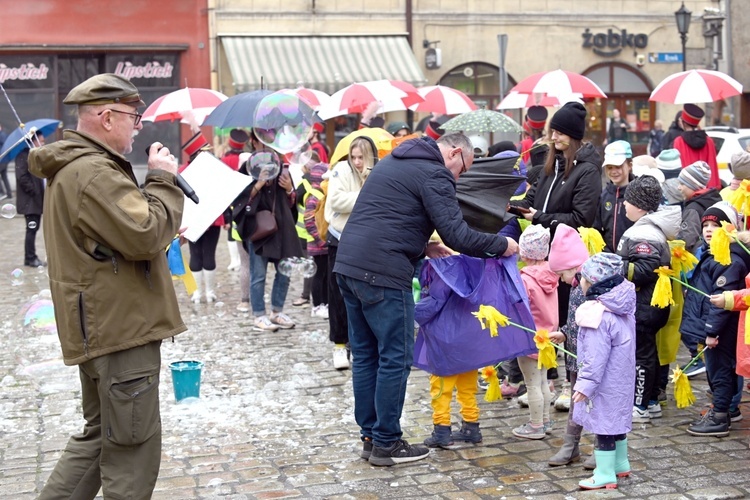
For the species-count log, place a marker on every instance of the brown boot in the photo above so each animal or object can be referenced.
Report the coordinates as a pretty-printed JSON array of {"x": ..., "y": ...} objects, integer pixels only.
[{"x": 568, "y": 452}]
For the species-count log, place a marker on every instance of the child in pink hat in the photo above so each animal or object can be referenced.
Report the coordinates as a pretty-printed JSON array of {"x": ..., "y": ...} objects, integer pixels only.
[
  {"x": 567, "y": 255},
  {"x": 541, "y": 287}
]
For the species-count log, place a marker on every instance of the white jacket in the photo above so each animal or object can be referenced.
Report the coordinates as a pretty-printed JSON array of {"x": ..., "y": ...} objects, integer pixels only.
[{"x": 344, "y": 185}]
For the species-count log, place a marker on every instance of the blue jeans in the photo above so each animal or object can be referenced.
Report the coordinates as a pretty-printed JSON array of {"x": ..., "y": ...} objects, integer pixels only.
[
  {"x": 258, "y": 268},
  {"x": 381, "y": 336}
]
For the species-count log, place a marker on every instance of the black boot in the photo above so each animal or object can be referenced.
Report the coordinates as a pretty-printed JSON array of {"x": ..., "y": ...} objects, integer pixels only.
[
  {"x": 712, "y": 424},
  {"x": 440, "y": 438},
  {"x": 468, "y": 433}
]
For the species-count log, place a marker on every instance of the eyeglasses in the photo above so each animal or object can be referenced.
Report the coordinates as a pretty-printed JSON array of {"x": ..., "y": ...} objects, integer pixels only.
[
  {"x": 137, "y": 116},
  {"x": 463, "y": 162}
]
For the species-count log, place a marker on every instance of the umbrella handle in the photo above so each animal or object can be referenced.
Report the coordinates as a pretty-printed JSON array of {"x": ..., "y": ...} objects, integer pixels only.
[{"x": 26, "y": 138}]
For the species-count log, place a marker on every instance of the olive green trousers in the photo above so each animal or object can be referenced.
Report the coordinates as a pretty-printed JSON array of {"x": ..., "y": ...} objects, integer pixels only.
[{"x": 119, "y": 449}]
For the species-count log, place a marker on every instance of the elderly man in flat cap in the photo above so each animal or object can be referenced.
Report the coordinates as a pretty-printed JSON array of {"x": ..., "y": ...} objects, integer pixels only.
[{"x": 111, "y": 287}]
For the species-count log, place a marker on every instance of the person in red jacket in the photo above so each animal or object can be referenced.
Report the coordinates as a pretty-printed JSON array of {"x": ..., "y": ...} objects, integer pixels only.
[
  {"x": 694, "y": 145},
  {"x": 533, "y": 128}
]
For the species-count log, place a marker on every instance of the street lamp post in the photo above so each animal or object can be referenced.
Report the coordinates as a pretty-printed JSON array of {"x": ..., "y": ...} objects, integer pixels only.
[{"x": 682, "y": 16}]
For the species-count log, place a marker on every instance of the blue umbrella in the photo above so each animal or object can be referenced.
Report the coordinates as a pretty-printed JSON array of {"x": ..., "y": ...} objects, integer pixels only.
[
  {"x": 237, "y": 111},
  {"x": 14, "y": 144}
]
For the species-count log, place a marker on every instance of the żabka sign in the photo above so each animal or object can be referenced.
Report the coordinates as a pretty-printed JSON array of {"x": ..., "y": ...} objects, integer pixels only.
[
  {"x": 23, "y": 72},
  {"x": 615, "y": 41},
  {"x": 149, "y": 70}
]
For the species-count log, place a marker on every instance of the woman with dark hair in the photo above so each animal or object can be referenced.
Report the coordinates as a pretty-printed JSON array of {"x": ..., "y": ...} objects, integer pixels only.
[{"x": 568, "y": 188}]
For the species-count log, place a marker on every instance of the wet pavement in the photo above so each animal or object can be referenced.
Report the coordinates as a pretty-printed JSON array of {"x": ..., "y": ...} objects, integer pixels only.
[{"x": 275, "y": 419}]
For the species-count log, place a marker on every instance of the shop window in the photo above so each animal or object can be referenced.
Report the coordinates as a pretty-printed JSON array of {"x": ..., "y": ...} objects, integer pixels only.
[{"x": 627, "y": 91}]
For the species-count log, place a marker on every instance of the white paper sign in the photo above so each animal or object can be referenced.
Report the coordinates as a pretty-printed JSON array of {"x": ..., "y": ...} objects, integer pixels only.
[{"x": 216, "y": 186}]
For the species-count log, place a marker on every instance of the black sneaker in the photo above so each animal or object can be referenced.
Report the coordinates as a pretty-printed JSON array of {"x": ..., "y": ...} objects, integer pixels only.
[
  {"x": 399, "y": 452},
  {"x": 712, "y": 424},
  {"x": 366, "y": 448},
  {"x": 735, "y": 415}
]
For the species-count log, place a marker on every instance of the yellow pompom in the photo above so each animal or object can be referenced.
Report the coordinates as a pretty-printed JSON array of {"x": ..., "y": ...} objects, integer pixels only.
[
  {"x": 662, "y": 296},
  {"x": 547, "y": 355},
  {"x": 491, "y": 318},
  {"x": 592, "y": 239},
  {"x": 682, "y": 261},
  {"x": 683, "y": 393},
  {"x": 719, "y": 246}
]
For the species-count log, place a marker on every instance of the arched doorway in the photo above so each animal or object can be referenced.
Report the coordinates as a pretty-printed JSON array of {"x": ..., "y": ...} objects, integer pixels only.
[
  {"x": 481, "y": 82},
  {"x": 628, "y": 91}
]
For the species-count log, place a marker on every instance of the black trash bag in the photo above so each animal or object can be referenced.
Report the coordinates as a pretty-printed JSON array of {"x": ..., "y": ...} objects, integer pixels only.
[{"x": 484, "y": 191}]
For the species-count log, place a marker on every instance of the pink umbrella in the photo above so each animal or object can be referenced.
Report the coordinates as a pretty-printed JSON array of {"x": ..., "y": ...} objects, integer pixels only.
[
  {"x": 444, "y": 100},
  {"x": 559, "y": 83},
  {"x": 696, "y": 85},
  {"x": 392, "y": 95},
  {"x": 314, "y": 98},
  {"x": 518, "y": 100},
  {"x": 183, "y": 105}
]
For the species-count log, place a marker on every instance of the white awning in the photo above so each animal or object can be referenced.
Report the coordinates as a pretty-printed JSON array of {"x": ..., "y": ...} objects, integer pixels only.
[{"x": 326, "y": 63}]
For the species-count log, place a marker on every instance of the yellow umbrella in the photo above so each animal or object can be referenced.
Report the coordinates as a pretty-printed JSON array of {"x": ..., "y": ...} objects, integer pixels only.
[{"x": 383, "y": 141}]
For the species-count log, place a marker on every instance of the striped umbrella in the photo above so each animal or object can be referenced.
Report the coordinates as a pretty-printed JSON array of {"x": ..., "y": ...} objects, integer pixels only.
[
  {"x": 696, "y": 85},
  {"x": 314, "y": 98},
  {"x": 518, "y": 100},
  {"x": 187, "y": 105},
  {"x": 444, "y": 100},
  {"x": 392, "y": 95},
  {"x": 559, "y": 83}
]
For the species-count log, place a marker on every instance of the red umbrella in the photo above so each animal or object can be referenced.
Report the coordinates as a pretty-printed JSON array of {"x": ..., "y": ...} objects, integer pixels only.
[
  {"x": 444, "y": 100},
  {"x": 696, "y": 85},
  {"x": 558, "y": 83},
  {"x": 314, "y": 98},
  {"x": 181, "y": 104},
  {"x": 392, "y": 95}
]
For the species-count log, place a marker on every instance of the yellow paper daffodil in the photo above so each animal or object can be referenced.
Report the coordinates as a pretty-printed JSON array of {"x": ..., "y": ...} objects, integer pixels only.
[
  {"x": 740, "y": 198},
  {"x": 719, "y": 246},
  {"x": 547, "y": 355},
  {"x": 491, "y": 318},
  {"x": 489, "y": 374},
  {"x": 682, "y": 261},
  {"x": 662, "y": 296},
  {"x": 592, "y": 239},
  {"x": 683, "y": 393}
]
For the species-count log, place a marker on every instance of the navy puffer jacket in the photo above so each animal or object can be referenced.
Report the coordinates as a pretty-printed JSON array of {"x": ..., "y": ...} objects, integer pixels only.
[
  {"x": 408, "y": 195},
  {"x": 699, "y": 318}
]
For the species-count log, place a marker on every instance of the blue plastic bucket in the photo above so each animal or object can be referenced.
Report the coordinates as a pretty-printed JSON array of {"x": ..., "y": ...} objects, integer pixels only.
[{"x": 186, "y": 378}]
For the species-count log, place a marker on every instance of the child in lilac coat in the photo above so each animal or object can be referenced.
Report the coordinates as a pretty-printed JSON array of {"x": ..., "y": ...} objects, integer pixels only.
[{"x": 606, "y": 360}]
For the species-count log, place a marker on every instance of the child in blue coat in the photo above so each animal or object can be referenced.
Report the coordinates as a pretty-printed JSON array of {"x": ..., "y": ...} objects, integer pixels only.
[{"x": 606, "y": 361}]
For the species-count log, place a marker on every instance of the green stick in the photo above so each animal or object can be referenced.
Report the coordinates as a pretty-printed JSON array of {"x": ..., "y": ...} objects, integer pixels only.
[
  {"x": 534, "y": 332},
  {"x": 691, "y": 287},
  {"x": 694, "y": 359}
]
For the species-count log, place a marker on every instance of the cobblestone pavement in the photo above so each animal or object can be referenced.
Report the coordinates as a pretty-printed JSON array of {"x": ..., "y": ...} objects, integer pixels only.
[{"x": 275, "y": 420}]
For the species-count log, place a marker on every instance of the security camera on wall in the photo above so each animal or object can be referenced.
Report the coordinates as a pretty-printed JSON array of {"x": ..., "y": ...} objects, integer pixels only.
[{"x": 640, "y": 60}]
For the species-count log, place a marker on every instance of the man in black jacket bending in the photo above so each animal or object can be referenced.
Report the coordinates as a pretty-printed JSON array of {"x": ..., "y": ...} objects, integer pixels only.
[{"x": 408, "y": 195}]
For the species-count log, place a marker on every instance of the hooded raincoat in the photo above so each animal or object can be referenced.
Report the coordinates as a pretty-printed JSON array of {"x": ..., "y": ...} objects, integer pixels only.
[
  {"x": 606, "y": 361},
  {"x": 450, "y": 339}
]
